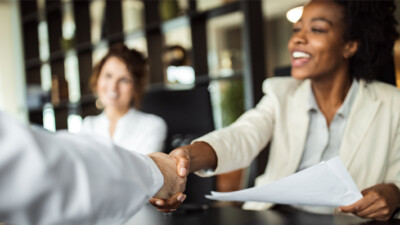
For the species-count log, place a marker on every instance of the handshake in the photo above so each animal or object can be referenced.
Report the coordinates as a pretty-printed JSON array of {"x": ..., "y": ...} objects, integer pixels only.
[{"x": 174, "y": 168}]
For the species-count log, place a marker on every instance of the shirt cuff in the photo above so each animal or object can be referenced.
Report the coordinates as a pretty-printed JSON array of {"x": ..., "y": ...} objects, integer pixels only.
[{"x": 157, "y": 177}]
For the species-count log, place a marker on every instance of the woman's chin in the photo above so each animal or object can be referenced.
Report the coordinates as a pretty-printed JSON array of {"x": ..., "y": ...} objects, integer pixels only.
[{"x": 299, "y": 76}]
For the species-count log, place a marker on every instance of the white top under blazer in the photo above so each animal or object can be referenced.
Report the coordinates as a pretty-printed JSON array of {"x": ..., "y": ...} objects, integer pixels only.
[{"x": 136, "y": 131}]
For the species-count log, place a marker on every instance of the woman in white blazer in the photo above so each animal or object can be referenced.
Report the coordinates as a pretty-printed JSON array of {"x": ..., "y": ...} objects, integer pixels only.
[
  {"x": 119, "y": 81},
  {"x": 331, "y": 106}
]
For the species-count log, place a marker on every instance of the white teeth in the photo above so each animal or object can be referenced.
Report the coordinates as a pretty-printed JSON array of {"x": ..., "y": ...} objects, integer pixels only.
[
  {"x": 112, "y": 94},
  {"x": 300, "y": 55}
]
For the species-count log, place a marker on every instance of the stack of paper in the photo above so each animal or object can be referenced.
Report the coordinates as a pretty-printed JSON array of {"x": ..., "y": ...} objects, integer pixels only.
[{"x": 325, "y": 184}]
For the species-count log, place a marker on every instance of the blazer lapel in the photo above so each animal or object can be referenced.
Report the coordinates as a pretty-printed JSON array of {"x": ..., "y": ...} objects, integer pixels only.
[
  {"x": 298, "y": 124},
  {"x": 361, "y": 116}
]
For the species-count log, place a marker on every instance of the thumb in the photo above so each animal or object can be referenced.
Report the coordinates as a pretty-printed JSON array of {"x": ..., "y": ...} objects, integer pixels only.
[{"x": 182, "y": 160}]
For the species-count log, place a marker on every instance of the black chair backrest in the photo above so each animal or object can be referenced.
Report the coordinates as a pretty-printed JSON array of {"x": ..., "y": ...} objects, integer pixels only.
[{"x": 188, "y": 115}]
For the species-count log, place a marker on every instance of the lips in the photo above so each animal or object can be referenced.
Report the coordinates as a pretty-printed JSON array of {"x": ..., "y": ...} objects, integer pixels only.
[
  {"x": 112, "y": 95},
  {"x": 300, "y": 58}
]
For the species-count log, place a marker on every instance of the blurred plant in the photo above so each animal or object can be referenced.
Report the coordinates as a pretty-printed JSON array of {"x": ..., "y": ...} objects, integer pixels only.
[
  {"x": 168, "y": 9},
  {"x": 232, "y": 101}
]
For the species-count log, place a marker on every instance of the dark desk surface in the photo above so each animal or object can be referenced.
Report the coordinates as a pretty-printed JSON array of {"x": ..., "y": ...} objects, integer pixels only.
[{"x": 236, "y": 216}]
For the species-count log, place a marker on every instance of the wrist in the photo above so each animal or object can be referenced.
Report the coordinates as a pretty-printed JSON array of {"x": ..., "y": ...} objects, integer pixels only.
[{"x": 201, "y": 156}]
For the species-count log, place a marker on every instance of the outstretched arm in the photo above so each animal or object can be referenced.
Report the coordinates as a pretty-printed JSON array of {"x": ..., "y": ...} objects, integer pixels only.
[{"x": 62, "y": 178}]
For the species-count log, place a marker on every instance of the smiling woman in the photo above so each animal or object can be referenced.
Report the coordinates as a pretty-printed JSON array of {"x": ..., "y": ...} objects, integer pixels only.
[
  {"x": 332, "y": 106},
  {"x": 119, "y": 80}
]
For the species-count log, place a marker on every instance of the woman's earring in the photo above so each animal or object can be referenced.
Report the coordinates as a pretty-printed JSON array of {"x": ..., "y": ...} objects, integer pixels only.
[{"x": 99, "y": 105}]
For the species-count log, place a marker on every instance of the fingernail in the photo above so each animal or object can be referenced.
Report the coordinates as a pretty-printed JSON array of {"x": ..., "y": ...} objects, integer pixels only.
[
  {"x": 182, "y": 171},
  {"x": 183, "y": 198},
  {"x": 179, "y": 198},
  {"x": 158, "y": 202}
]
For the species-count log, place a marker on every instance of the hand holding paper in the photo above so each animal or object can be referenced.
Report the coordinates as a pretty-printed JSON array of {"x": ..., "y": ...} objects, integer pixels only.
[{"x": 325, "y": 184}]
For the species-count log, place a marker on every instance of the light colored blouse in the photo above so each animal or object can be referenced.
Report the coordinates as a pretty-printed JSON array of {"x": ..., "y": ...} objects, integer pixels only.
[
  {"x": 323, "y": 142},
  {"x": 135, "y": 131}
]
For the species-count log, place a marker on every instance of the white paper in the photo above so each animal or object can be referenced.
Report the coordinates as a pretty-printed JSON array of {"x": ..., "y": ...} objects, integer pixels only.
[{"x": 325, "y": 184}]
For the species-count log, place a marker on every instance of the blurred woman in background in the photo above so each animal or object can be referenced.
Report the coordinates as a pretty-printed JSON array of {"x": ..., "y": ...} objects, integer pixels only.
[{"x": 119, "y": 81}]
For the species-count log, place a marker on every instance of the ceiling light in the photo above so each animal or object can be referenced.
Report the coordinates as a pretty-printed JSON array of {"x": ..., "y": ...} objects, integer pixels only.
[{"x": 294, "y": 14}]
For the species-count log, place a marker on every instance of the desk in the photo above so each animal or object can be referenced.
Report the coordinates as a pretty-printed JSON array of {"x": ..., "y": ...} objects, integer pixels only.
[{"x": 236, "y": 216}]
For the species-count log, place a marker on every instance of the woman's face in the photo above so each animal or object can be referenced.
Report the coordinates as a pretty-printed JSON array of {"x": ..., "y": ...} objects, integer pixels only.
[
  {"x": 115, "y": 85},
  {"x": 317, "y": 48}
]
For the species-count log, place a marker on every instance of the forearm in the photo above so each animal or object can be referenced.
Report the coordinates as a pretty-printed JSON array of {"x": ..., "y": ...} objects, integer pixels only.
[{"x": 71, "y": 175}]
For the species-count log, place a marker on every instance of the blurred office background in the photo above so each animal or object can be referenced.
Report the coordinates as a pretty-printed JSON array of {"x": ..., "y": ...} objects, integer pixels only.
[{"x": 49, "y": 48}]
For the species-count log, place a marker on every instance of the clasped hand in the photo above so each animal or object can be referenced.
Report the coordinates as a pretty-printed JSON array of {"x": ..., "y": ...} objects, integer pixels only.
[
  {"x": 180, "y": 162},
  {"x": 174, "y": 168}
]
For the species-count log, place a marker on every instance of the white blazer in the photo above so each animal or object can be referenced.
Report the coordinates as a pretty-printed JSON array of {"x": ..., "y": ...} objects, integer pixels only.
[
  {"x": 62, "y": 178},
  {"x": 370, "y": 147}
]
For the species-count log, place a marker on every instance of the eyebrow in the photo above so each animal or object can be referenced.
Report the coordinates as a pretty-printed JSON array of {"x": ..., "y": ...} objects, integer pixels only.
[{"x": 321, "y": 19}]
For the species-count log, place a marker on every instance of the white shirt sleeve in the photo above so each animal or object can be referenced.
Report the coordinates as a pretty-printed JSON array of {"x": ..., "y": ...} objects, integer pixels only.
[{"x": 48, "y": 178}]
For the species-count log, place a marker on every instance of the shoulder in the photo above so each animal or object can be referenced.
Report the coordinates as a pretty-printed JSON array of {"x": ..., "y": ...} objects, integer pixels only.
[
  {"x": 382, "y": 88},
  {"x": 281, "y": 85},
  {"x": 388, "y": 95},
  {"x": 383, "y": 91},
  {"x": 89, "y": 122},
  {"x": 91, "y": 119}
]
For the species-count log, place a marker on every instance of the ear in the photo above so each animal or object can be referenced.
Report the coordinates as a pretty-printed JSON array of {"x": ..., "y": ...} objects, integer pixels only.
[{"x": 350, "y": 49}]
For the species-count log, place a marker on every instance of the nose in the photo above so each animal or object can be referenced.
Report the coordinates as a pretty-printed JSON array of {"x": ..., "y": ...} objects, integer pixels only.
[
  {"x": 299, "y": 37},
  {"x": 113, "y": 85}
]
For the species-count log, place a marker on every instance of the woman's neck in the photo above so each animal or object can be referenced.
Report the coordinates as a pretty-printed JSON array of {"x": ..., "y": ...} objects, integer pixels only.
[
  {"x": 113, "y": 115},
  {"x": 330, "y": 93}
]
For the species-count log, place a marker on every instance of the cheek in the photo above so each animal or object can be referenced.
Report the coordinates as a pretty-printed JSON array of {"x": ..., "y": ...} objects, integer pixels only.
[
  {"x": 128, "y": 89},
  {"x": 290, "y": 44},
  {"x": 101, "y": 85},
  {"x": 329, "y": 49}
]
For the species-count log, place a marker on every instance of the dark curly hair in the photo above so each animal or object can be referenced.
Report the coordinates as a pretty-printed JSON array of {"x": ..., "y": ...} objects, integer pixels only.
[
  {"x": 373, "y": 25},
  {"x": 136, "y": 65}
]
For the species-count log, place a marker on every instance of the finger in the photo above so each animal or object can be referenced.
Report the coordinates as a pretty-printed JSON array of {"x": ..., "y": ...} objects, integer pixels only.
[
  {"x": 370, "y": 210},
  {"x": 172, "y": 203},
  {"x": 168, "y": 203},
  {"x": 350, "y": 208},
  {"x": 353, "y": 208},
  {"x": 376, "y": 210},
  {"x": 378, "y": 215},
  {"x": 181, "y": 156},
  {"x": 369, "y": 198},
  {"x": 183, "y": 166},
  {"x": 156, "y": 202}
]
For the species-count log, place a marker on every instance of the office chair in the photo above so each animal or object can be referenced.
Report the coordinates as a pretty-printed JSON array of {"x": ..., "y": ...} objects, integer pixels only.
[{"x": 188, "y": 115}]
